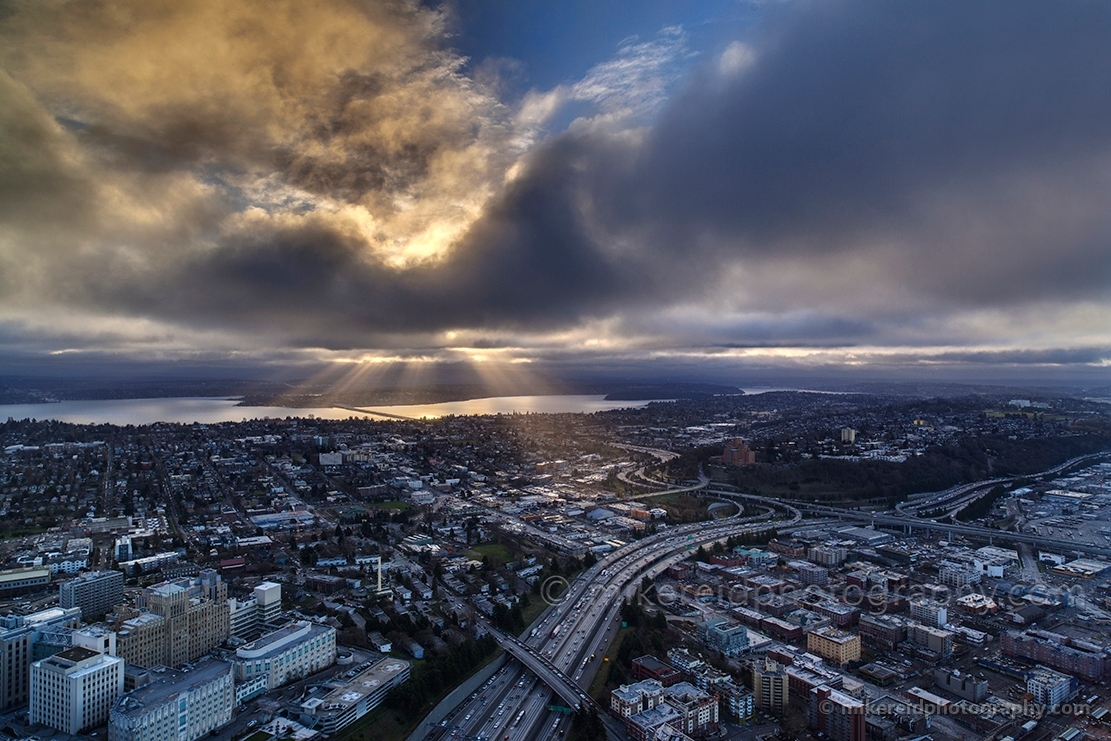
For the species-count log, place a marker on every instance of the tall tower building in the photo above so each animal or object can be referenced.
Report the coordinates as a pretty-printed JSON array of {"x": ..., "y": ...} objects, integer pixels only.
[
  {"x": 75, "y": 689},
  {"x": 269, "y": 596},
  {"x": 769, "y": 686},
  {"x": 185, "y": 619}
]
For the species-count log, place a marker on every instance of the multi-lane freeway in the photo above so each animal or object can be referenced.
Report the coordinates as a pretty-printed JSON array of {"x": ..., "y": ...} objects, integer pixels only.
[
  {"x": 950, "y": 502},
  {"x": 565, "y": 647}
]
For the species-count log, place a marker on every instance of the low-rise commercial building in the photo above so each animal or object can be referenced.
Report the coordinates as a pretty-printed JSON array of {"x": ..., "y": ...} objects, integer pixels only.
[{"x": 24, "y": 581}]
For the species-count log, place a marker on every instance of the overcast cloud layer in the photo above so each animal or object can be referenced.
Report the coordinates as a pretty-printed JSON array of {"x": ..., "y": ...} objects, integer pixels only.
[{"x": 852, "y": 182}]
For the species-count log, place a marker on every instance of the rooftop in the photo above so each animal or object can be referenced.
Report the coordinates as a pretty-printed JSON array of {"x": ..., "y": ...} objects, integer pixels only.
[
  {"x": 364, "y": 684},
  {"x": 280, "y": 639},
  {"x": 76, "y": 654},
  {"x": 169, "y": 683}
]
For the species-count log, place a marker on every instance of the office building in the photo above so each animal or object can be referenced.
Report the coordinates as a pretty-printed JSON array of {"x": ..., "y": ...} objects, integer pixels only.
[
  {"x": 176, "y": 706},
  {"x": 24, "y": 580},
  {"x": 96, "y": 593},
  {"x": 294, "y": 651},
  {"x": 649, "y": 667},
  {"x": 243, "y": 618},
  {"x": 834, "y": 645},
  {"x": 269, "y": 598},
  {"x": 769, "y": 686},
  {"x": 262, "y": 612},
  {"x": 75, "y": 689},
  {"x": 344, "y": 705}
]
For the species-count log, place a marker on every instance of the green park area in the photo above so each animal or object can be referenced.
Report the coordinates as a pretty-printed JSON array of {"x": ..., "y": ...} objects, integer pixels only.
[{"x": 495, "y": 553}]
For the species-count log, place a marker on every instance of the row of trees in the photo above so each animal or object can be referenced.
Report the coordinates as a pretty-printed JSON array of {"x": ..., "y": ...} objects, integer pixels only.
[
  {"x": 587, "y": 725},
  {"x": 510, "y": 619},
  {"x": 938, "y": 468},
  {"x": 437, "y": 673}
]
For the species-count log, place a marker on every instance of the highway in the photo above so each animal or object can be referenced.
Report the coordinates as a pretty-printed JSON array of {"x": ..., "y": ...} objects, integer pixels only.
[
  {"x": 959, "y": 497},
  {"x": 565, "y": 647},
  {"x": 908, "y": 524}
]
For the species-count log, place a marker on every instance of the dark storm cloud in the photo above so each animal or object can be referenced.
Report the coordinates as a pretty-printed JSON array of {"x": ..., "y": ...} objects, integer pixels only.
[
  {"x": 871, "y": 165},
  {"x": 878, "y": 122},
  {"x": 526, "y": 264}
]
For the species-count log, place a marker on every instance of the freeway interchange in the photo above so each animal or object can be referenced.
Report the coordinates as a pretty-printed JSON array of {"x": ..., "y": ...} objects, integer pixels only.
[{"x": 565, "y": 647}]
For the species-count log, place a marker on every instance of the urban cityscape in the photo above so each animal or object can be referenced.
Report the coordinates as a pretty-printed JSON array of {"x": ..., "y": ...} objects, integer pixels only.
[
  {"x": 510, "y": 370},
  {"x": 741, "y": 566}
]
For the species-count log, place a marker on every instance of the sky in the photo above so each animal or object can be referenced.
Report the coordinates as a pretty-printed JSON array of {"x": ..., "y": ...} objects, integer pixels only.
[{"x": 677, "y": 186}]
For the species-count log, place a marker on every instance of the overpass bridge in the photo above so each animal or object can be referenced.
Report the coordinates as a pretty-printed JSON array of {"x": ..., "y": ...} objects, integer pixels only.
[
  {"x": 563, "y": 686},
  {"x": 911, "y": 524}
]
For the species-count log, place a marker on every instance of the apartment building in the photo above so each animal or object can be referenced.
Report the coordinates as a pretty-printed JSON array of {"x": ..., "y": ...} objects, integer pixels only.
[
  {"x": 834, "y": 645},
  {"x": 95, "y": 592}
]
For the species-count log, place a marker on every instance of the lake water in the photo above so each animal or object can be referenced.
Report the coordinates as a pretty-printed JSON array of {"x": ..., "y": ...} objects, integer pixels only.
[{"x": 212, "y": 410}]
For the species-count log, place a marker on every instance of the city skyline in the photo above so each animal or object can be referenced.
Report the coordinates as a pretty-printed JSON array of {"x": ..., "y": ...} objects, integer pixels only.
[{"x": 827, "y": 187}]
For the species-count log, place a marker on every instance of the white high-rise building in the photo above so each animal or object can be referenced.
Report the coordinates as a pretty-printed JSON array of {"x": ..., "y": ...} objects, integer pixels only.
[
  {"x": 269, "y": 597},
  {"x": 259, "y": 614},
  {"x": 75, "y": 689}
]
